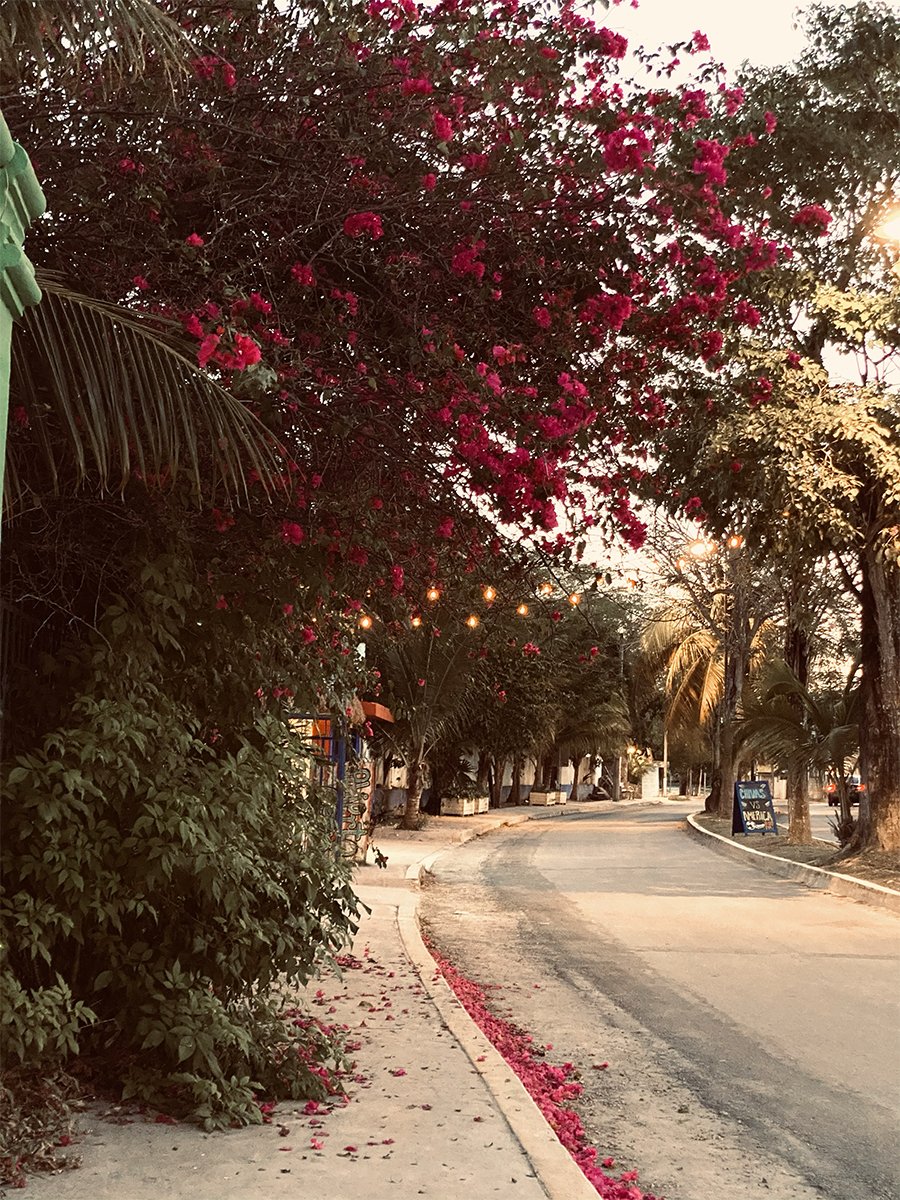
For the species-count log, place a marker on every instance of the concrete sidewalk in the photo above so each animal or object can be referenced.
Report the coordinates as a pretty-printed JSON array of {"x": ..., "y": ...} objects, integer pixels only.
[{"x": 433, "y": 1109}]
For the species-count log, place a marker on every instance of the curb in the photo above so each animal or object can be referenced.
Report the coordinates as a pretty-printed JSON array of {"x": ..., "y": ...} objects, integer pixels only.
[
  {"x": 554, "y": 1167},
  {"x": 833, "y": 882}
]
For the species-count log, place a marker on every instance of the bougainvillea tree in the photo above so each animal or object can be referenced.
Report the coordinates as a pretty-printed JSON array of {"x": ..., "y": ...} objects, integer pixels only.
[
  {"x": 438, "y": 249},
  {"x": 461, "y": 267}
]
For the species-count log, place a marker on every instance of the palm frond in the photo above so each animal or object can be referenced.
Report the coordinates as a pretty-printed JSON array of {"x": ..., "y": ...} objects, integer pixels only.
[
  {"x": 118, "y": 37},
  {"x": 110, "y": 395}
]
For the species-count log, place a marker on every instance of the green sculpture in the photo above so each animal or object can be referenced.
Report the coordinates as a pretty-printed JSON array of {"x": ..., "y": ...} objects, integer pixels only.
[{"x": 21, "y": 202}]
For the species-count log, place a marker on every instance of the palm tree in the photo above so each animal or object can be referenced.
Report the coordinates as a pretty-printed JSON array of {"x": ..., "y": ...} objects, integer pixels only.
[
  {"x": 691, "y": 645},
  {"x": 110, "y": 392},
  {"x": 427, "y": 680},
  {"x": 57, "y": 36},
  {"x": 796, "y": 729}
]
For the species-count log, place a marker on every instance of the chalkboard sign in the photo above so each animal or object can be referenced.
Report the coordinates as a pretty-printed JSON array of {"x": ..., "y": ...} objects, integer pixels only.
[{"x": 753, "y": 810}]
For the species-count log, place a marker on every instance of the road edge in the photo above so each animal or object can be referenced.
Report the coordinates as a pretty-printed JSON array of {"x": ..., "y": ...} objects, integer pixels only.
[
  {"x": 818, "y": 878},
  {"x": 556, "y": 1170}
]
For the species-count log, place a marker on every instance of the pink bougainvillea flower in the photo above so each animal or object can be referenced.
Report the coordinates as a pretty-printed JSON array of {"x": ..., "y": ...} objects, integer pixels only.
[
  {"x": 429, "y": 181},
  {"x": 443, "y": 127},
  {"x": 194, "y": 239},
  {"x": 357, "y": 224},
  {"x": 303, "y": 274},
  {"x": 292, "y": 533},
  {"x": 207, "y": 348},
  {"x": 813, "y": 217},
  {"x": 400, "y": 1070}
]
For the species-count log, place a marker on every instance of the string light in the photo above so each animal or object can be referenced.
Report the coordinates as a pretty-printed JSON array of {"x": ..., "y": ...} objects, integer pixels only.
[
  {"x": 489, "y": 594},
  {"x": 546, "y": 589},
  {"x": 472, "y": 621},
  {"x": 574, "y": 599},
  {"x": 365, "y": 622},
  {"x": 416, "y": 622},
  {"x": 735, "y": 541},
  {"x": 433, "y": 593},
  {"x": 522, "y": 610}
]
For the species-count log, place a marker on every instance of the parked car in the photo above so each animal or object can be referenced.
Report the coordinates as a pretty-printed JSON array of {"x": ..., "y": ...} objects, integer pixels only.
[{"x": 855, "y": 787}]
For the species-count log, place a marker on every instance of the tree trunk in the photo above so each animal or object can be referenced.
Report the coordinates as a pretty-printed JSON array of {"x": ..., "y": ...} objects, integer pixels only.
[
  {"x": 515, "y": 792},
  {"x": 481, "y": 775},
  {"x": 413, "y": 795},
  {"x": 499, "y": 770},
  {"x": 796, "y": 655},
  {"x": 878, "y": 827},
  {"x": 576, "y": 764},
  {"x": 737, "y": 654},
  {"x": 799, "y": 826}
]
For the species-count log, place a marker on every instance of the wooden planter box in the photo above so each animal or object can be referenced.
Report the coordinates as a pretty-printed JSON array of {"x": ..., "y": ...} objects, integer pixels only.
[
  {"x": 543, "y": 798},
  {"x": 482, "y": 804},
  {"x": 463, "y": 807}
]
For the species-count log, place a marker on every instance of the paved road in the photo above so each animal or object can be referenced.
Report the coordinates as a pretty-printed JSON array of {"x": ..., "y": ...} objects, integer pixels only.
[{"x": 750, "y": 1024}]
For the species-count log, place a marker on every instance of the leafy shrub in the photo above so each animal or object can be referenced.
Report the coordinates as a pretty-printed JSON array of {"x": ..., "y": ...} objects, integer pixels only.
[{"x": 169, "y": 865}]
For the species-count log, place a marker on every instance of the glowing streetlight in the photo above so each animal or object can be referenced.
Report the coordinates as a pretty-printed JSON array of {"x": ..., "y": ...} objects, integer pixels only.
[{"x": 888, "y": 230}]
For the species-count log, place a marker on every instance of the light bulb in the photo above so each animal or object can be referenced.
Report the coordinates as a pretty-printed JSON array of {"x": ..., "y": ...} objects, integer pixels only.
[
  {"x": 365, "y": 622},
  {"x": 522, "y": 610},
  {"x": 489, "y": 594},
  {"x": 472, "y": 621},
  {"x": 433, "y": 593}
]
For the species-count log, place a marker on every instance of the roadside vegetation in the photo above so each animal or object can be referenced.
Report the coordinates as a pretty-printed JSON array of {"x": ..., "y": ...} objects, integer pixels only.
[{"x": 395, "y": 328}]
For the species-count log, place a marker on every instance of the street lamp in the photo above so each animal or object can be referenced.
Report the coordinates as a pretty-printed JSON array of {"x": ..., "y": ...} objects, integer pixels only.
[{"x": 888, "y": 229}]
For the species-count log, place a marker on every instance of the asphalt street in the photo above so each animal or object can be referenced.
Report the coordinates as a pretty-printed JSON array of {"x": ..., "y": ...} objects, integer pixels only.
[{"x": 750, "y": 1024}]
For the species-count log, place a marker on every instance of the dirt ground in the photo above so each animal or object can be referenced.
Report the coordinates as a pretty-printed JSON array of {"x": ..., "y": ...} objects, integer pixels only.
[{"x": 874, "y": 866}]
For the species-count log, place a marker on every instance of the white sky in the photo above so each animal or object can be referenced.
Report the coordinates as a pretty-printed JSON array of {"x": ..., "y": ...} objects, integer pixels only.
[{"x": 762, "y": 31}]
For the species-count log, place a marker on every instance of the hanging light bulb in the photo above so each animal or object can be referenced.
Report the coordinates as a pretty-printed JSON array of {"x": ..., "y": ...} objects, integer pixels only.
[
  {"x": 416, "y": 622},
  {"x": 735, "y": 542},
  {"x": 472, "y": 621},
  {"x": 546, "y": 589},
  {"x": 433, "y": 593},
  {"x": 489, "y": 594},
  {"x": 522, "y": 610},
  {"x": 365, "y": 621},
  {"x": 575, "y": 599}
]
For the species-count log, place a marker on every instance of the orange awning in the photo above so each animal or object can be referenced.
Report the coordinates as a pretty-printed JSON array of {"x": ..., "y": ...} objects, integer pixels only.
[{"x": 379, "y": 711}]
